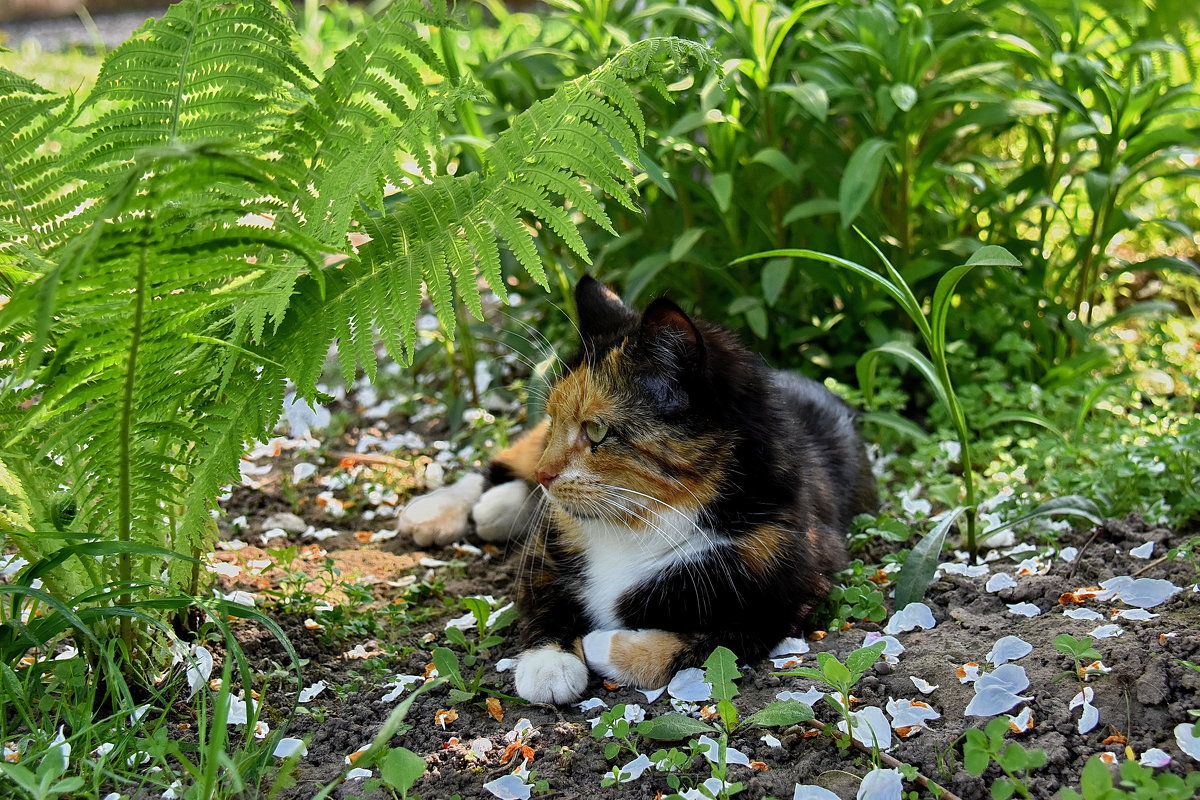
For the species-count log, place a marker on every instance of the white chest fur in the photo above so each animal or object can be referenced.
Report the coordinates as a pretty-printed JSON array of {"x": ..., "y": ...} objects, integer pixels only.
[{"x": 618, "y": 559}]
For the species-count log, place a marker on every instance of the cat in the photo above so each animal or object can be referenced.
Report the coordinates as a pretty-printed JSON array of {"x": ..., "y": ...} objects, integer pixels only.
[{"x": 691, "y": 497}]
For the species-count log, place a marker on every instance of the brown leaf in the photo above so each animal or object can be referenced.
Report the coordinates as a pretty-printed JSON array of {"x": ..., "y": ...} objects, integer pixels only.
[
  {"x": 495, "y": 710},
  {"x": 445, "y": 716}
]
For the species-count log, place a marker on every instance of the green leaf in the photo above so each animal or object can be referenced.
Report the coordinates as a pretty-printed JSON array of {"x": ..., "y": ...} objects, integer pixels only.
[
  {"x": 1003, "y": 789},
  {"x": 861, "y": 177},
  {"x": 774, "y": 277},
  {"x": 890, "y": 419},
  {"x": 810, "y": 208},
  {"x": 1095, "y": 779},
  {"x": 722, "y": 190},
  {"x": 865, "y": 368},
  {"x": 811, "y": 97},
  {"x": 720, "y": 671},
  {"x": 904, "y": 96},
  {"x": 456, "y": 636},
  {"x": 804, "y": 672},
  {"x": 447, "y": 666},
  {"x": 400, "y": 768},
  {"x": 975, "y": 753},
  {"x": 861, "y": 659},
  {"x": 461, "y": 696},
  {"x": 756, "y": 318},
  {"x": 728, "y": 713},
  {"x": 993, "y": 256},
  {"x": 683, "y": 245},
  {"x": 672, "y": 727},
  {"x": 835, "y": 672},
  {"x": 780, "y": 713},
  {"x": 917, "y": 572}
]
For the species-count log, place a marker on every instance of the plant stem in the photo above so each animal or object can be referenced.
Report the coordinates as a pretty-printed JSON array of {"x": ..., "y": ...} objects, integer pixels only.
[
  {"x": 893, "y": 763},
  {"x": 124, "y": 456}
]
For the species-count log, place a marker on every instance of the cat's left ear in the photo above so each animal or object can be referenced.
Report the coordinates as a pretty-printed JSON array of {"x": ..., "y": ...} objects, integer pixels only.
[{"x": 672, "y": 338}]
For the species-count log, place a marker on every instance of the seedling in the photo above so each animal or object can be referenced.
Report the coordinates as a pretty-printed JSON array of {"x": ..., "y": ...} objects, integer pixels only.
[
  {"x": 841, "y": 677},
  {"x": 488, "y": 621},
  {"x": 983, "y": 747},
  {"x": 1096, "y": 783},
  {"x": 1080, "y": 650}
]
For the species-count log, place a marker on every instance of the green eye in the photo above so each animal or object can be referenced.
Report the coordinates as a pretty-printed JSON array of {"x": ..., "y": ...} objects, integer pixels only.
[{"x": 596, "y": 432}]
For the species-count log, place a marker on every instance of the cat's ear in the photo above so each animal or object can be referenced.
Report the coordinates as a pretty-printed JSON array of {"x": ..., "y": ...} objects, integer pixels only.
[
  {"x": 601, "y": 312},
  {"x": 671, "y": 337}
]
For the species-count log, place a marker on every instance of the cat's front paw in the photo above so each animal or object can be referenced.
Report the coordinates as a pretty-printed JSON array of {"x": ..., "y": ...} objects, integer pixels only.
[
  {"x": 549, "y": 674},
  {"x": 440, "y": 517},
  {"x": 644, "y": 659},
  {"x": 498, "y": 514}
]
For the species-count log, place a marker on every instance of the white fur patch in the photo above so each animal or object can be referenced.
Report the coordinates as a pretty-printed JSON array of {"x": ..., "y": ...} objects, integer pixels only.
[
  {"x": 548, "y": 674},
  {"x": 498, "y": 511},
  {"x": 619, "y": 558},
  {"x": 440, "y": 517},
  {"x": 597, "y": 649}
]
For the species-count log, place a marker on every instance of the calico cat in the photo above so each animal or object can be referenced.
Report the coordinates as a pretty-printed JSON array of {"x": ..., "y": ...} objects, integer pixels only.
[{"x": 692, "y": 497}]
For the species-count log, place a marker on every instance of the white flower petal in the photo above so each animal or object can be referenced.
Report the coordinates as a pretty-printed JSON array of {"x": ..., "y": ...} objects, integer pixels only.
[
  {"x": 590, "y": 703},
  {"x": 1143, "y": 550},
  {"x": 1186, "y": 741},
  {"x": 1024, "y": 609},
  {"x": 880, "y": 784},
  {"x": 1069, "y": 554},
  {"x": 1141, "y": 592},
  {"x": 1001, "y": 580},
  {"x": 288, "y": 747},
  {"x": 1106, "y": 632},
  {"x": 871, "y": 727},
  {"x": 790, "y": 646},
  {"x": 199, "y": 669},
  {"x": 1083, "y": 613},
  {"x": 892, "y": 646},
  {"x": 357, "y": 774},
  {"x": 966, "y": 570},
  {"x": 634, "y": 769},
  {"x": 1138, "y": 614},
  {"x": 1006, "y": 676},
  {"x": 923, "y": 686},
  {"x": 689, "y": 685},
  {"x": 907, "y": 714},
  {"x": 309, "y": 692},
  {"x": 509, "y": 787},
  {"x": 653, "y": 694},
  {"x": 1009, "y": 648},
  {"x": 1154, "y": 758},
  {"x": 912, "y": 616},
  {"x": 709, "y": 748},
  {"x": 770, "y": 740},
  {"x": 1021, "y": 722},
  {"x": 992, "y": 701},
  {"x": 810, "y": 697},
  {"x": 808, "y": 791}
]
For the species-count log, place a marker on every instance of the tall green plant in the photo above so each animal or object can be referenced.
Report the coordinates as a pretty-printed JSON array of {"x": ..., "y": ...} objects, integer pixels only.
[{"x": 213, "y": 217}]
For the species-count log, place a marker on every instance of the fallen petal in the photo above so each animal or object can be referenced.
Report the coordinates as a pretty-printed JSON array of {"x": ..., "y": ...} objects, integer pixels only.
[
  {"x": 289, "y": 747},
  {"x": 790, "y": 646},
  {"x": 923, "y": 686},
  {"x": 1106, "y": 632},
  {"x": 1187, "y": 741},
  {"x": 1083, "y": 613},
  {"x": 912, "y": 616},
  {"x": 634, "y": 769},
  {"x": 1143, "y": 550},
  {"x": 510, "y": 787},
  {"x": 992, "y": 701},
  {"x": 807, "y": 791},
  {"x": 1001, "y": 580},
  {"x": 1141, "y": 592},
  {"x": 1021, "y": 722},
  {"x": 880, "y": 784},
  {"x": 689, "y": 685},
  {"x": 1009, "y": 648},
  {"x": 1006, "y": 676},
  {"x": 1154, "y": 758},
  {"x": 357, "y": 774},
  {"x": 1024, "y": 609},
  {"x": 871, "y": 727}
]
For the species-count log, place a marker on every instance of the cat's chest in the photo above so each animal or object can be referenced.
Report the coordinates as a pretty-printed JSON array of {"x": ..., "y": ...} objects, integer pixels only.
[{"x": 617, "y": 560}]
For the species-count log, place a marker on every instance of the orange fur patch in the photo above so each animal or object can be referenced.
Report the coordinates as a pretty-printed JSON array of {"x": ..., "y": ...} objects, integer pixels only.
[
  {"x": 522, "y": 456},
  {"x": 762, "y": 547},
  {"x": 644, "y": 658}
]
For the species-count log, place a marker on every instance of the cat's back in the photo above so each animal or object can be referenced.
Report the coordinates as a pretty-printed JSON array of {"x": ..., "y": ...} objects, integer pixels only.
[{"x": 822, "y": 429}]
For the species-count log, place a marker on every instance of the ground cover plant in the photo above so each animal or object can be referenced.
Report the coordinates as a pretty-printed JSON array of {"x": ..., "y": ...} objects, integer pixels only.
[{"x": 202, "y": 597}]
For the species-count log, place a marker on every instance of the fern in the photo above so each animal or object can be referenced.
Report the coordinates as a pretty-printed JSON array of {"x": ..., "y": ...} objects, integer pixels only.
[{"x": 187, "y": 252}]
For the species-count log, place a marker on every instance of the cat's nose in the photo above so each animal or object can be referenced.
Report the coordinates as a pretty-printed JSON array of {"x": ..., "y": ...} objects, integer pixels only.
[{"x": 546, "y": 477}]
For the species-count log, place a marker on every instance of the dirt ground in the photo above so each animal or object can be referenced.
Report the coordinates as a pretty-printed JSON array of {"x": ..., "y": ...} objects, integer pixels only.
[{"x": 1148, "y": 692}]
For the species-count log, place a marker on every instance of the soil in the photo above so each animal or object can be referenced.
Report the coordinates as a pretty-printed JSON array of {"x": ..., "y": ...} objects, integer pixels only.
[{"x": 1146, "y": 694}]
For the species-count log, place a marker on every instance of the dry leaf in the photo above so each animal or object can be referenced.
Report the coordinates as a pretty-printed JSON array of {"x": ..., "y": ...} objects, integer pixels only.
[
  {"x": 817, "y": 636},
  {"x": 495, "y": 710},
  {"x": 445, "y": 716}
]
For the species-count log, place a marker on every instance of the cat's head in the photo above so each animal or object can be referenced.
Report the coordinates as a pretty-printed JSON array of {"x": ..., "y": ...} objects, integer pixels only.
[{"x": 634, "y": 428}]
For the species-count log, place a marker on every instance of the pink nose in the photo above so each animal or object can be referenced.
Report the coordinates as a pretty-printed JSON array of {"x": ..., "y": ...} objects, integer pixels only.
[{"x": 546, "y": 477}]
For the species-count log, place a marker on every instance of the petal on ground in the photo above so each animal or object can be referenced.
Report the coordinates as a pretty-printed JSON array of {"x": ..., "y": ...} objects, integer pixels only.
[
  {"x": 1001, "y": 580},
  {"x": 881, "y": 784},
  {"x": 1009, "y": 648},
  {"x": 510, "y": 787},
  {"x": 911, "y": 617},
  {"x": 689, "y": 685}
]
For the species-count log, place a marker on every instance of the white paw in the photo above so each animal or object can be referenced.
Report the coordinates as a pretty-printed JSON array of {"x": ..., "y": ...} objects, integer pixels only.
[
  {"x": 548, "y": 674},
  {"x": 597, "y": 649},
  {"x": 498, "y": 512},
  {"x": 440, "y": 517}
]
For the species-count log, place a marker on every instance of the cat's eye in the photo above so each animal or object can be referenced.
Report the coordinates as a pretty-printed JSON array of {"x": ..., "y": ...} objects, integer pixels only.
[{"x": 596, "y": 432}]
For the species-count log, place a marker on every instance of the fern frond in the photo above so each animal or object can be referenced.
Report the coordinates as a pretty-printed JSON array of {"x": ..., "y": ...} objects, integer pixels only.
[
  {"x": 157, "y": 407},
  {"x": 204, "y": 71},
  {"x": 34, "y": 193},
  {"x": 447, "y": 230}
]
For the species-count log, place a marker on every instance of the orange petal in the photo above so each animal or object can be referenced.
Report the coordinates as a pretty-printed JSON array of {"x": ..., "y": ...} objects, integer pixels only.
[
  {"x": 495, "y": 710},
  {"x": 445, "y": 716},
  {"x": 761, "y": 766}
]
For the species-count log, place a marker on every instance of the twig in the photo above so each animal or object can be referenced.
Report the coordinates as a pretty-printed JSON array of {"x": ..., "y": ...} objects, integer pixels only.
[
  {"x": 1079, "y": 556},
  {"x": 1150, "y": 566},
  {"x": 894, "y": 763}
]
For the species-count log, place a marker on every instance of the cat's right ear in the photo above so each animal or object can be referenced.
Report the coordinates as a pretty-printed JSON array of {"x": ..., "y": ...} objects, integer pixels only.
[{"x": 602, "y": 314}]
